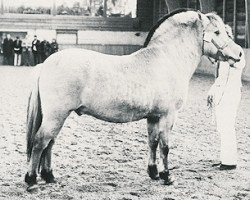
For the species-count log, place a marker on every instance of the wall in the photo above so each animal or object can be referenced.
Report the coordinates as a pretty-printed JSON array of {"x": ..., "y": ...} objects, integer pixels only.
[
  {"x": 121, "y": 43},
  {"x": 48, "y": 22},
  {"x": 111, "y": 35}
]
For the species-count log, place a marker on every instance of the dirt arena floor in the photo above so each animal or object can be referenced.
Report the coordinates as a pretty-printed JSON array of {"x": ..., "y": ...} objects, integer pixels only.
[{"x": 93, "y": 159}]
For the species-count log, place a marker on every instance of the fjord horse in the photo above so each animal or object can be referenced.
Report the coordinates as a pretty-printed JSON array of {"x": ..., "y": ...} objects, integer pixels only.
[{"x": 151, "y": 84}]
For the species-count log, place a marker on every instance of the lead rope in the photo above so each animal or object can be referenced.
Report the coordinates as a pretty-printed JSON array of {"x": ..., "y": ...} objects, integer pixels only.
[
  {"x": 212, "y": 108},
  {"x": 223, "y": 92}
]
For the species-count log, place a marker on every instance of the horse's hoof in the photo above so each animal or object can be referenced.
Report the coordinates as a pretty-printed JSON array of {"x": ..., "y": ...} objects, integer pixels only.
[
  {"x": 164, "y": 174},
  {"x": 168, "y": 180},
  {"x": 30, "y": 179},
  {"x": 227, "y": 167},
  {"x": 48, "y": 176},
  {"x": 153, "y": 172},
  {"x": 33, "y": 188}
]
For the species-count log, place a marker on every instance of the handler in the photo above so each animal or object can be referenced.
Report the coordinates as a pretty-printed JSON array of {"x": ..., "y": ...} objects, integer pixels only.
[{"x": 224, "y": 96}]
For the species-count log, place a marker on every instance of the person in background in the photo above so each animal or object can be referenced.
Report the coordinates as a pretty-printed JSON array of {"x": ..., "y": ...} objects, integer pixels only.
[
  {"x": 35, "y": 50},
  {"x": 17, "y": 51},
  {"x": 8, "y": 50},
  {"x": 26, "y": 55},
  {"x": 54, "y": 46},
  {"x": 44, "y": 50},
  {"x": 224, "y": 96},
  {"x": 2, "y": 40}
]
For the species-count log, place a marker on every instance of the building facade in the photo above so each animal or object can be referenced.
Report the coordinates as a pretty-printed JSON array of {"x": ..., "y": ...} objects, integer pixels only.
[{"x": 110, "y": 26}]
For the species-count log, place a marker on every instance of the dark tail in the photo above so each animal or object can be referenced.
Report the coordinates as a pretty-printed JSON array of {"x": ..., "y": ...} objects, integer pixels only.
[{"x": 34, "y": 117}]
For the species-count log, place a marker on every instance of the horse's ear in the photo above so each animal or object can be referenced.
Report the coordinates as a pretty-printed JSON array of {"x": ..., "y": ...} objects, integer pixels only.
[{"x": 199, "y": 15}]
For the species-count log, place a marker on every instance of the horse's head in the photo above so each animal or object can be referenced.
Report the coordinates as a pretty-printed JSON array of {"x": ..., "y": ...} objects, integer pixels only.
[{"x": 217, "y": 41}]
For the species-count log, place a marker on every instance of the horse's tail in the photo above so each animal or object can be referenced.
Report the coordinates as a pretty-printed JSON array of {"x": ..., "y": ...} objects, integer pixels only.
[{"x": 34, "y": 117}]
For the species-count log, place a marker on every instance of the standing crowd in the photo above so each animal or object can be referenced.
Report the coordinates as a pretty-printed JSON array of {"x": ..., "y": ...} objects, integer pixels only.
[{"x": 20, "y": 53}]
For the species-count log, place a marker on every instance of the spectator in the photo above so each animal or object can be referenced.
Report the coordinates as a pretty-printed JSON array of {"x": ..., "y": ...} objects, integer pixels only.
[
  {"x": 54, "y": 46},
  {"x": 17, "y": 51},
  {"x": 27, "y": 55},
  {"x": 8, "y": 50},
  {"x": 2, "y": 40},
  {"x": 44, "y": 50},
  {"x": 35, "y": 50}
]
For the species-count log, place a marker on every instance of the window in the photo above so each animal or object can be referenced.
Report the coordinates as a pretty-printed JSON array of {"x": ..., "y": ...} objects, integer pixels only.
[
  {"x": 94, "y": 8},
  {"x": 121, "y": 8},
  {"x": 115, "y": 15},
  {"x": 27, "y": 6}
]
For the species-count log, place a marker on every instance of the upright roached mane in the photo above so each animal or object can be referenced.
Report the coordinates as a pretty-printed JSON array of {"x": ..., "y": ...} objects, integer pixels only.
[
  {"x": 165, "y": 17},
  {"x": 151, "y": 83}
]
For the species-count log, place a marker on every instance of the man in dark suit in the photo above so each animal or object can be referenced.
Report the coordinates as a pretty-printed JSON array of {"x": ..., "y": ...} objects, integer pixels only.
[
  {"x": 44, "y": 50},
  {"x": 54, "y": 46},
  {"x": 8, "y": 50},
  {"x": 35, "y": 50},
  {"x": 17, "y": 51}
]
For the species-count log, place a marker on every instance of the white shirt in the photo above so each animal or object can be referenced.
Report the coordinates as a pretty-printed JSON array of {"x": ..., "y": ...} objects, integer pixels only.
[{"x": 230, "y": 77}]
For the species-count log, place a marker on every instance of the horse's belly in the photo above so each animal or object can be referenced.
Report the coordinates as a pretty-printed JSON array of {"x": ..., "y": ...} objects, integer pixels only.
[{"x": 117, "y": 115}]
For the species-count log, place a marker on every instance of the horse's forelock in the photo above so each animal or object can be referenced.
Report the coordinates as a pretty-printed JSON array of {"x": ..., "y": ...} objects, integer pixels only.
[{"x": 215, "y": 20}]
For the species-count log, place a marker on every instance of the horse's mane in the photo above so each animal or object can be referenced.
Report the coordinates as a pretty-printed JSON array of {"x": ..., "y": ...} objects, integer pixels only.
[{"x": 165, "y": 17}]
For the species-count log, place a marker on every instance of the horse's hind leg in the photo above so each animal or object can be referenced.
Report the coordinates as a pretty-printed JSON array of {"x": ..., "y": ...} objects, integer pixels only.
[
  {"x": 49, "y": 129},
  {"x": 165, "y": 126},
  {"x": 153, "y": 140},
  {"x": 46, "y": 172}
]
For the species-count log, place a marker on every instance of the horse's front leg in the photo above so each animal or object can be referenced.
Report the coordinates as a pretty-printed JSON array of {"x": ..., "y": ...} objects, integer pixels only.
[
  {"x": 153, "y": 140},
  {"x": 165, "y": 126}
]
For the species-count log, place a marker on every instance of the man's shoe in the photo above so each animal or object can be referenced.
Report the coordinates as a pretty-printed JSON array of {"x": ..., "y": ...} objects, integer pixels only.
[{"x": 227, "y": 167}]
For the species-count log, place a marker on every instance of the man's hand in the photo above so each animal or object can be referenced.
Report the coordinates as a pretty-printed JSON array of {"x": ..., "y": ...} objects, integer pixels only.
[
  {"x": 210, "y": 101},
  {"x": 210, "y": 97}
]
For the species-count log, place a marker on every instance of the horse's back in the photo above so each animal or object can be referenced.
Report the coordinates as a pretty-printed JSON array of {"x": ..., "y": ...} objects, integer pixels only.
[{"x": 79, "y": 56}]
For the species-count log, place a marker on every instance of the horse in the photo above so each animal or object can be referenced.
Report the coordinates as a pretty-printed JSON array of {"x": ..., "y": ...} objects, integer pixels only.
[{"x": 151, "y": 83}]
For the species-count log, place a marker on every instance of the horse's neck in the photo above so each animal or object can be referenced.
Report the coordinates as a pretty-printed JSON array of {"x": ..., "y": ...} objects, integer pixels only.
[{"x": 183, "y": 52}]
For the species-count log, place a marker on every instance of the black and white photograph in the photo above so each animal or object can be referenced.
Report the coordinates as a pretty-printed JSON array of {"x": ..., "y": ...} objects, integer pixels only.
[{"x": 124, "y": 99}]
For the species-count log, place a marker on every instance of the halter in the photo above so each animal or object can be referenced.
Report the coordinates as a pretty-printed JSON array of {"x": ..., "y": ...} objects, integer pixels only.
[{"x": 211, "y": 40}]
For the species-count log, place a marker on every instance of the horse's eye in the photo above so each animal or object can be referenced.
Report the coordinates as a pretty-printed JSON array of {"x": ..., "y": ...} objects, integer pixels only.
[{"x": 217, "y": 32}]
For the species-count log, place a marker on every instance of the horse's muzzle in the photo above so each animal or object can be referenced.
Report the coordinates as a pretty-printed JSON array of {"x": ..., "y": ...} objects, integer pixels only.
[{"x": 231, "y": 60}]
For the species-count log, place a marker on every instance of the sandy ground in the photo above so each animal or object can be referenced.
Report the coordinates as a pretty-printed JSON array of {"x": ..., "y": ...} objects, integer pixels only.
[{"x": 93, "y": 159}]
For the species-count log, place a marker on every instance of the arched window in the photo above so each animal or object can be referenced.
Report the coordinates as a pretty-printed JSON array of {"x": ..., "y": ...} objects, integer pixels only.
[
  {"x": 160, "y": 9},
  {"x": 160, "y": 6},
  {"x": 195, "y": 4}
]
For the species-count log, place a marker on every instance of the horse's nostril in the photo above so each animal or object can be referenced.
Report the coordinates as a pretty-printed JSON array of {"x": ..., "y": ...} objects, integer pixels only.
[{"x": 240, "y": 54}]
